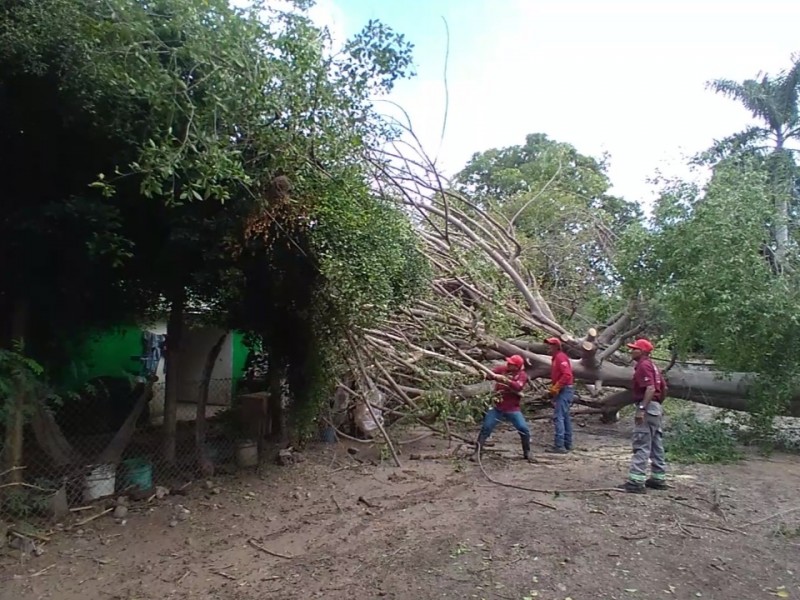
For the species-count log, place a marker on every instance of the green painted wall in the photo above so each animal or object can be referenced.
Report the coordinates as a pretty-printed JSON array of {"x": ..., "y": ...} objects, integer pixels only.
[
  {"x": 108, "y": 354},
  {"x": 116, "y": 353},
  {"x": 239, "y": 359}
]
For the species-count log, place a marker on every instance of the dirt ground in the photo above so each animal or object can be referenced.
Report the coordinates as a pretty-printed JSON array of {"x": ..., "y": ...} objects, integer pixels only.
[{"x": 436, "y": 528}]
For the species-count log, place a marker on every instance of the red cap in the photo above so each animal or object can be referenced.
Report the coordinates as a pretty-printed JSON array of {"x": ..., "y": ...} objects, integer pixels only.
[
  {"x": 641, "y": 344},
  {"x": 516, "y": 360},
  {"x": 553, "y": 340}
]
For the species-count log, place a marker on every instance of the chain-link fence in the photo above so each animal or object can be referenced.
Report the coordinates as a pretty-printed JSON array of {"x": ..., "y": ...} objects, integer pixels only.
[{"x": 80, "y": 451}]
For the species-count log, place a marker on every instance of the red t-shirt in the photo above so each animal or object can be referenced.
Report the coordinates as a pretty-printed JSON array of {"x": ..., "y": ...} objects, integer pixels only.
[
  {"x": 561, "y": 369},
  {"x": 645, "y": 374},
  {"x": 510, "y": 395}
]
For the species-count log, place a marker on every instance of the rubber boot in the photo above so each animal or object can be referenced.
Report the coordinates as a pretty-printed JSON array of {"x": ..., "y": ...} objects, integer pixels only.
[
  {"x": 526, "y": 447},
  {"x": 478, "y": 448},
  {"x": 656, "y": 484},
  {"x": 633, "y": 488}
]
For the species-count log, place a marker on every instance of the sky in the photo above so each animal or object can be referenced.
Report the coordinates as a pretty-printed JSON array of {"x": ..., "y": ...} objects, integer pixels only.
[{"x": 626, "y": 77}]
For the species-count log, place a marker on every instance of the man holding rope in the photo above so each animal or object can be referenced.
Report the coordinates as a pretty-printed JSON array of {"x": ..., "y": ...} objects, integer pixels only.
[{"x": 510, "y": 380}]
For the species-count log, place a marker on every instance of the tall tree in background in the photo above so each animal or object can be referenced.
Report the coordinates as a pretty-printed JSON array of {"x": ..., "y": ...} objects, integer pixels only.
[
  {"x": 774, "y": 102},
  {"x": 558, "y": 203}
]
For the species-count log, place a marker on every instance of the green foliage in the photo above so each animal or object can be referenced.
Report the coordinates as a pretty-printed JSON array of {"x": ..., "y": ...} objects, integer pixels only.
[
  {"x": 142, "y": 141},
  {"x": 689, "y": 440},
  {"x": 368, "y": 252},
  {"x": 562, "y": 213},
  {"x": 19, "y": 377},
  {"x": 772, "y": 100},
  {"x": 705, "y": 263}
]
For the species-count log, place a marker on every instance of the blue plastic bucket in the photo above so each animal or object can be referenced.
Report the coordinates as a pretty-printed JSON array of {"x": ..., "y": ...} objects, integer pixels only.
[{"x": 138, "y": 473}]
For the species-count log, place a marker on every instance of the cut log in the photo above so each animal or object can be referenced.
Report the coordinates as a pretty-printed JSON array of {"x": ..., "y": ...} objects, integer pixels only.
[{"x": 589, "y": 349}]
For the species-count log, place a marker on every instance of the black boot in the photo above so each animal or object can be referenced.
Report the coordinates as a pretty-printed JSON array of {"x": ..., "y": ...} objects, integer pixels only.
[
  {"x": 656, "y": 484},
  {"x": 526, "y": 447},
  {"x": 633, "y": 488},
  {"x": 478, "y": 448}
]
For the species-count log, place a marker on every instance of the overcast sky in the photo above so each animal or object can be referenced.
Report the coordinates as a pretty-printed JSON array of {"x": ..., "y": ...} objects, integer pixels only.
[{"x": 625, "y": 77}]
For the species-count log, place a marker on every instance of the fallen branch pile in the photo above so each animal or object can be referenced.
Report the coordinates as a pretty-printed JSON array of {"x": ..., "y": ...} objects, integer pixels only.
[{"x": 427, "y": 361}]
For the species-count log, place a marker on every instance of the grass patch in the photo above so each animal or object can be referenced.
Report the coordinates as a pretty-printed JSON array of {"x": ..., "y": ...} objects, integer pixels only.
[{"x": 690, "y": 440}]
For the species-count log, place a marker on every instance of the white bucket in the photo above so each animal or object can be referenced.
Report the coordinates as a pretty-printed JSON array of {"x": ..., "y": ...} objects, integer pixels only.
[
  {"x": 246, "y": 453},
  {"x": 100, "y": 482}
]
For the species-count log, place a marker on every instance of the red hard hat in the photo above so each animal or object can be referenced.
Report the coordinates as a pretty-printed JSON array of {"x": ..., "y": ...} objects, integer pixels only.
[
  {"x": 516, "y": 360},
  {"x": 553, "y": 340},
  {"x": 642, "y": 344}
]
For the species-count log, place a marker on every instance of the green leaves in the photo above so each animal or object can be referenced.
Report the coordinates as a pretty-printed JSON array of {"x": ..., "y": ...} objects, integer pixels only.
[
  {"x": 707, "y": 260},
  {"x": 142, "y": 139},
  {"x": 558, "y": 202}
]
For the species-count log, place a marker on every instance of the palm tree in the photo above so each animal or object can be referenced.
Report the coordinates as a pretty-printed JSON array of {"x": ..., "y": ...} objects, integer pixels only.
[{"x": 774, "y": 102}]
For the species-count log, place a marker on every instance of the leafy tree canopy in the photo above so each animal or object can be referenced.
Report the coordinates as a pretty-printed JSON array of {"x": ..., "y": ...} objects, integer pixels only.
[
  {"x": 558, "y": 201},
  {"x": 705, "y": 260},
  {"x": 141, "y": 141}
]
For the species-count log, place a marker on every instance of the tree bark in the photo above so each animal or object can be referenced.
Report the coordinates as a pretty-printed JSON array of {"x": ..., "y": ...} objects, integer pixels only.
[
  {"x": 204, "y": 463},
  {"x": 113, "y": 452},
  {"x": 49, "y": 436},
  {"x": 712, "y": 388},
  {"x": 15, "y": 424},
  {"x": 783, "y": 181},
  {"x": 172, "y": 364}
]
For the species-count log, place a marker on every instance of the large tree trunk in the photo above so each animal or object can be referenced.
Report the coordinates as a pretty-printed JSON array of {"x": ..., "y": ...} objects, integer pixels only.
[
  {"x": 713, "y": 388},
  {"x": 172, "y": 368},
  {"x": 49, "y": 436},
  {"x": 204, "y": 463},
  {"x": 15, "y": 423},
  {"x": 783, "y": 174},
  {"x": 113, "y": 452}
]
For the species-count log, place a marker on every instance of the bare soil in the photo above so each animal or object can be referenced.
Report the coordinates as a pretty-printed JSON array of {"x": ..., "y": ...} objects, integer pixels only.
[{"x": 436, "y": 528}]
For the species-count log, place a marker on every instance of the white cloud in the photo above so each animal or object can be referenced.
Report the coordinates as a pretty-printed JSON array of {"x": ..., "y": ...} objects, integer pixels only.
[
  {"x": 627, "y": 77},
  {"x": 325, "y": 14},
  {"x": 622, "y": 76}
]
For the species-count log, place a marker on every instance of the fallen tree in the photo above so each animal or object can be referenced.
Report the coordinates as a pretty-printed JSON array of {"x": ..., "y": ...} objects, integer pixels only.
[{"x": 484, "y": 305}]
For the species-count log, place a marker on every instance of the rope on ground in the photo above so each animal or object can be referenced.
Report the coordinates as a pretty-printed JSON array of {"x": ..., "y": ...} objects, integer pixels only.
[
  {"x": 770, "y": 517},
  {"x": 538, "y": 491}
]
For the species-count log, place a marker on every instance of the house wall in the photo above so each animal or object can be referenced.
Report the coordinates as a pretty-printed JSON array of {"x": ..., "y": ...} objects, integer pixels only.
[{"x": 117, "y": 352}]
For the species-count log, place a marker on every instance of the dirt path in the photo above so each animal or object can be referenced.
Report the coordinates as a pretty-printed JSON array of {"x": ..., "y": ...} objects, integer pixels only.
[{"x": 438, "y": 529}]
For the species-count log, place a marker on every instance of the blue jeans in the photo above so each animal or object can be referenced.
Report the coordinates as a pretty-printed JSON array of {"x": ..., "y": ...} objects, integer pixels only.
[
  {"x": 562, "y": 419},
  {"x": 494, "y": 416}
]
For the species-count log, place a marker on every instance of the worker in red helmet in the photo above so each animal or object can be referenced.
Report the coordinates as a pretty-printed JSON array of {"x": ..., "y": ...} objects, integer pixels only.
[
  {"x": 510, "y": 379},
  {"x": 649, "y": 391},
  {"x": 561, "y": 393}
]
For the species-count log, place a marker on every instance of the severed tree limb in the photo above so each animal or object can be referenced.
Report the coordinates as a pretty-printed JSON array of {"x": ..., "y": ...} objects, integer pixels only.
[{"x": 368, "y": 380}]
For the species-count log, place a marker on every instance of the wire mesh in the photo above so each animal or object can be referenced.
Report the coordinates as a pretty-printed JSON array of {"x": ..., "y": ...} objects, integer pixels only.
[{"x": 62, "y": 470}]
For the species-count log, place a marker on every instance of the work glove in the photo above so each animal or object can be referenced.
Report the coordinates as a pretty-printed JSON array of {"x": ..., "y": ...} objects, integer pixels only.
[{"x": 554, "y": 389}]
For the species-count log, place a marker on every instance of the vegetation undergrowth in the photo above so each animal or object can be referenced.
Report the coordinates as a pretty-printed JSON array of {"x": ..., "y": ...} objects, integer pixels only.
[{"x": 690, "y": 440}]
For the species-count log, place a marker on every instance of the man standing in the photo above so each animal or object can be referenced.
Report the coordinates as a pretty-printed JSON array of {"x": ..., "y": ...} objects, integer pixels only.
[
  {"x": 561, "y": 391},
  {"x": 510, "y": 380},
  {"x": 649, "y": 390}
]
